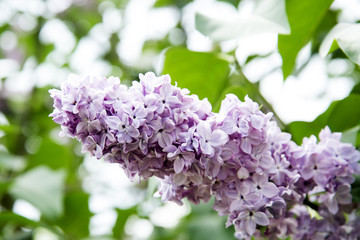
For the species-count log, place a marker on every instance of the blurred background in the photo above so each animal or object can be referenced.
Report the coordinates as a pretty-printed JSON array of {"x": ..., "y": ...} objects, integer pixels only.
[{"x": 50, "y": 190}]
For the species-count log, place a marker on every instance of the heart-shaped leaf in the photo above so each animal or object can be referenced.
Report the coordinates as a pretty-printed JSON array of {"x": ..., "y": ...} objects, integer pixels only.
[
  {"x": 43, "y": 188},
  {"x": 204, "y": 74},
  {"x": 268, "y": 16},
  {"x": 345, "y": 36},
  {"x": 304, "y": 17},
  {"x": 341, "y": 116}
]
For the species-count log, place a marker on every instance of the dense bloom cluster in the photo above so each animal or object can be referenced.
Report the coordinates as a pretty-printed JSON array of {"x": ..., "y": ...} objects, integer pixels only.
[
  {"x": 151, "y": 128},
  {"x": 259, "y": 178}
]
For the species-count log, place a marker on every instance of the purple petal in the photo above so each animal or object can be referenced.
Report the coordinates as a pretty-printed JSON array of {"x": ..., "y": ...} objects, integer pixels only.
[
  {"x": 257, "y": 121},
  {"x": 179, "y": 179},
  {"x": 155, "y": 124},
  {"x": 307, "y": 173},
  {"x": 218, "y": 138},
  {"x": 325, "y": 165},
  {"x": 113, "y": 122},
  {"x": 278, "y": 204},
  {"x": 242, "y": 173},
  {"x": 98, "y": 152},
  {"x": 346, "y": 150},
  {"x": 269, "y": 189},
  {"x": 133, "y": 132},
  {"x": 188, "y": 156},
  {"x": 166, "y": 90},
  {"x": 343, "y": 189},
  {"x": 250, "y": 226},
  {"x": 164, "y": 139},
  {"x": 252, "y": 197},
  {"x": 243, "y": 126},
  {"x": 195, "y": 178},
  {"x": 228, "y": 127},
  {"x": 260, "y": 179},
  {"x": 171, "y": 150},
  {"x": 95, "y": 126},
  {"x": 321, "y": 179},
  {"x": 260, "y": 218},
  {"x": 283, "y": 137},
  {"x": 206, "y": 148},
  {"x": 168, "y": 125},
  {"x": 173, "y": 101},
  {"x": 231, "y": 193},
  {"x": 226, "y": 153},
  {"x": 332, "y": 205},
  {"x": 235, "y": 205},
  {"x": 246, "y": 146},
  {"x": 244, "y": 188},
  {"x": 204, "y": 130},
  {"x": 156, "y": 162},
  {"x": 344, "y": 198},
  {"x": 81, "y": 127},
  {"x": 243, "y": 215},
  {"x": 178, "y": 165}
]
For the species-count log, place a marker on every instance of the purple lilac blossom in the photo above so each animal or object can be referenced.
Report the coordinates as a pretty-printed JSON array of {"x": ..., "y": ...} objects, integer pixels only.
[
  {"x": 254, "y": 175},
  {"x": 151, "y": 128},
  {"x": 257, "y": 175}
]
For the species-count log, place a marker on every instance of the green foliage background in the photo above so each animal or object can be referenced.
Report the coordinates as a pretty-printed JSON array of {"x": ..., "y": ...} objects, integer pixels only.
[{"x": 47, "y": 173}]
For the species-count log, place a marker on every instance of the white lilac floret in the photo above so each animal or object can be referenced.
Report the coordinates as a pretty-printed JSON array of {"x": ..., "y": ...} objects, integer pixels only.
[{"x": 257, "y": 175}]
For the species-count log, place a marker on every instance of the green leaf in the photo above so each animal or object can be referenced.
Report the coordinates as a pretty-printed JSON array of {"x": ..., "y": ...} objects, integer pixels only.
[
  {"x": 340, "y": 116},
  {"x": 325, "y": 26},
  {"x": 82, "y": 20},
  {"x": 11, "y": 136},
  {"x": 355, "y": 192},
  {"x": 203, "y": 223},
  {"x": 60, "y": 155},
  {"x": 304, "y": 17},
  {"x": 123, "y": 215},
  {"x": 203, "y": 73},
  {"x": 345, "y": 36},
  {"x": 152, "y": 186},
  {"x": 165, "y": 3},
  {"x": 299, "y": 130},
  {"x": 7, "y": 217},
  {"x": 346, "y": 114},
  {"x": 4, "y": 186},
  {"x": 76, "y": 218},
  {"x": 11, "y": 162},
  {"x": 268, "y": 16},
  {"x": 208, "y": 227},
  {"x": 355, "y": 189},
  {"x": 43, "y": 188},
  {"x": 235, "y": 3},
  {"x": 356, "y": 89},
  {"x": 352, "y": 136}
]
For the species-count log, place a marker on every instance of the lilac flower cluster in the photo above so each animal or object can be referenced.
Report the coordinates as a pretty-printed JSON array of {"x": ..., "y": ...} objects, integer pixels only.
[
  {"x": 264, "y": 174},
  {"x": 259, "y": 178},
  {"x": 151, "y": 129}
]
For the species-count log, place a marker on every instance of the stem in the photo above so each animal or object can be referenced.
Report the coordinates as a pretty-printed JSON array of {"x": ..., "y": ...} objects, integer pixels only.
[{"x": 311, "y": 204}]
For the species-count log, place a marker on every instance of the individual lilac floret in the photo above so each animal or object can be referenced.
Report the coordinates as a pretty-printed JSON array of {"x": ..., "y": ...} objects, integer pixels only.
[
  {"x": 248, "y": 218},
  {"x": 210, "y": 139}
]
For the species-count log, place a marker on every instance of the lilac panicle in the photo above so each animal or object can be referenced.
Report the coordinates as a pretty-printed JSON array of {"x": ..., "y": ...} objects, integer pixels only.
[
  {"x": 151, "y": 128},
  {"x": 258, "y": 176}
]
